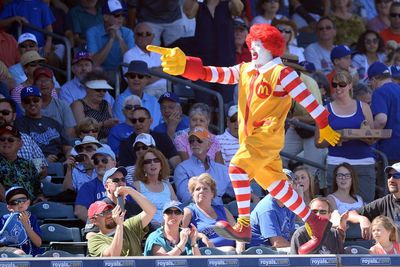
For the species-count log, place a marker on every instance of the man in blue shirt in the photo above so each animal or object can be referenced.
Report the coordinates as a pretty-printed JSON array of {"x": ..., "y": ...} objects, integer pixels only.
[
  {"x": 385, "y": 109},
  {"x": 171, "y": 111},
  {"x": 198, "y": 163},
  {"x": 110, "y": 40},
  {"x": 138, "y": 77}
]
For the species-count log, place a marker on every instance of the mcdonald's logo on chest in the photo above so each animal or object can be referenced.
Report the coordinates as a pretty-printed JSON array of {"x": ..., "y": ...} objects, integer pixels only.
[{"x": 263, "y": 89}]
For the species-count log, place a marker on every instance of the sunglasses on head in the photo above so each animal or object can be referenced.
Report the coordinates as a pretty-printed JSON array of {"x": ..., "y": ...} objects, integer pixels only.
[
  {"x": 28, "y": 101},
  {"x": 325, "y": 28},
  {"x": 5, "y": 112},
  {"x": 340, "y": 84},
  {"x": 131, "y": 107},
  {"x": 149, "y": 161},
  {"x": 118, "y": 180},
  {"x": 144, "y": 34},
  {"x": 8, "y": 139},
  {"x": 192, "y": 140},
  {"x": 97, "y": 161},
  {"x": 395, "y": 175},
  {"x": 173, "y": 211},
  {"x": 134, "y": 76},
  {"x": 322, "y": 212},
  {"x": 138, "y": 148},
  {"x": 135, "y": 120},
  {"x": 18, "y": 201},
  {"x": 89, "y": 131}
]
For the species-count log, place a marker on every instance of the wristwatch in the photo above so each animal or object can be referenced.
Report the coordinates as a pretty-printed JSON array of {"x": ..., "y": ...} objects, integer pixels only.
[{"x": 195, "y": 245}]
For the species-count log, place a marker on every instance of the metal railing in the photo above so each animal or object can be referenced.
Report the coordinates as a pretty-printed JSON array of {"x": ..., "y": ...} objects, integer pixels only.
[
  {"x": 67, "y": 43},
  {"x": 221, "y": 116}
]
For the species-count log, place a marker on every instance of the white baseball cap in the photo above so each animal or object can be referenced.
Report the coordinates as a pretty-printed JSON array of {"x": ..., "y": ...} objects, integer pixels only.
[
  {"x": 27, "y": 36},
  {"x": 111, "y": 172},
  {"x": 232, "y": 110},
  {"x": 146, "y": 139},
  {"x": 395, "y": 167}
]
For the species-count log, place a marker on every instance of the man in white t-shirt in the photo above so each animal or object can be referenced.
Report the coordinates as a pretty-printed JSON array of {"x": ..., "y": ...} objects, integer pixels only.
[
  {"x": 229, "y": 139},
  {"x": 143, "y": 37}
]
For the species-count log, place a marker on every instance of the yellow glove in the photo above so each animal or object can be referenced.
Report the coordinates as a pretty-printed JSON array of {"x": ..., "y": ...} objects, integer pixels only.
[
  {"x": 328, "y": 134},
  {"x": 173, "y": 59}
]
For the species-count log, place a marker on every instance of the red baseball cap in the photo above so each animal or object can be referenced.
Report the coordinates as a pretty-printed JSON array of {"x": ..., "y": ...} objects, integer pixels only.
[
  {"x": 97, "y": 208},
  {"x": 42, "y": 71}
]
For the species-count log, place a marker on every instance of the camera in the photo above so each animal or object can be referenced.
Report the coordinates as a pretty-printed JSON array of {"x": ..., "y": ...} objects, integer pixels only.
[{"x": 79, "y": 158}]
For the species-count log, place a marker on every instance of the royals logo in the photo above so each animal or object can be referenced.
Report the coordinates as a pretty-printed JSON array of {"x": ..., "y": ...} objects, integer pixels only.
[{"x": 263, "y": 89}]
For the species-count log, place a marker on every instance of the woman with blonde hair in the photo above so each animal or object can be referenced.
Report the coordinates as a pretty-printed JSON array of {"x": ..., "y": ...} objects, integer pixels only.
[
  {"x": 304, "y": 183},
  {"x": 348, "y": 113},
  {"x": 384, "y": 232},
  {"x": 151, "y": 174},
  {"x": 203, "y": 214}
]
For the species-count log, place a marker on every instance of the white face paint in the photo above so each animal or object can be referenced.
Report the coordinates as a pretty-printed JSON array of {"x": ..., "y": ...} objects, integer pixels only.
[{"x": 259, "y": 55}]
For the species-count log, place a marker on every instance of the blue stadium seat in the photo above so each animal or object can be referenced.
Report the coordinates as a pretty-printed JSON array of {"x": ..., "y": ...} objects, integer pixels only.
[
  {"x": 356, "y": 250},
  {"x": 260, "y": 250},
  {"x": 58, "y": 253}
]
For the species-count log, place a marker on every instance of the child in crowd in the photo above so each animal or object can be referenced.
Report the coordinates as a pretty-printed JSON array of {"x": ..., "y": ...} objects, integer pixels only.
[
  {"x": 385, "y": 235},
  {"x": 17, "y": 199}
]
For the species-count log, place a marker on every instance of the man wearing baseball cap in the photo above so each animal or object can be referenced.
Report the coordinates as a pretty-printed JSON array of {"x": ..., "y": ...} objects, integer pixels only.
[
  {"x": 386, "y": 113},
  {"x": 388, "y": 205},
  {"x": 198, "y": 163},
  {"x": 119, "y": 237},
  {"x": 52, "y": 106},
  {"x": 171, "y": 111},
  {"x": 82, "y": 63},
  {"x": 108, "y": 41},
  {"x": 103, "y": 160}
]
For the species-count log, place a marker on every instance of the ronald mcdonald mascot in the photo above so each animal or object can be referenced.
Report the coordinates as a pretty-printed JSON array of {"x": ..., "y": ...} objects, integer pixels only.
[{"x": 266, "y": 89}]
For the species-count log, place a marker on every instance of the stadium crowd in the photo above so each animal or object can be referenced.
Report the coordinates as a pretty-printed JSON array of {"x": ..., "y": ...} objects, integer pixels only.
[{"x": 143, "y": 166}]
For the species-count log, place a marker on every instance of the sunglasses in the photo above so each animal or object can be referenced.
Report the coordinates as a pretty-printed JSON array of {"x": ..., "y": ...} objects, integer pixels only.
[
  {"x": 149, "y": 161},
  {"x": 33, "y": 64},
  {"x": 173, "y": 211},
  {"x": 395, "y": 15},
  {"x": 322, "y": 212},
  {"x": 86, "y": 148},
  {"x": 28, "y": 101},
  {"x": 327, "y": 28},
  {"x": 340, "y": 84},
  {"x": 233, "y": 119},
  {"x": 371, "y": 41},
  {"x": 27, "y": 46},
  {"x": 18, "y": 201},
  {"x": 96, "y": 161},
  {"x": 343, "y": 176},
  {"x": 119, "y": 15},
  {"x": 5, "y": 112},
  {"x": 192, "y": 140},
  {"x": 141, "y": 120},
  {"x": 131, "y": 107},
  {"x": 118, "y": 180},
  {"x": 384, "y": 1},
  {"x": 90, "y": 131},
  {"x": 395, "y": 175},
  {"x": 134, "y": 76},
  {"x": 104, "y": 213},
  {"x": 283, "y": 30},
  {"x": 8, "y": 139},
  {"x": 144, "y": 34},
  {"x": 138, "y": 148},
  {"x": 101, "y": 90}
]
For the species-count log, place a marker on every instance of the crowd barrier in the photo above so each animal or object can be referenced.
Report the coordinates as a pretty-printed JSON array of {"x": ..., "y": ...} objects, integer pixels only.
[{"x": 208, "y": 261}]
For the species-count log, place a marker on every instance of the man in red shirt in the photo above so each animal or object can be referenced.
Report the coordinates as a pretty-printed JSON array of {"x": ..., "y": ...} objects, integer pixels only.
[{"x": 393, "y": 32}]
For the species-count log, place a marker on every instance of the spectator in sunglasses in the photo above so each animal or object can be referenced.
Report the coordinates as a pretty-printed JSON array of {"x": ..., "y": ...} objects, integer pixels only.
[
  {"x": 171, "y": 111},
  {"x": 229, "y": 141},
  {"x": 382, "y": 19},
  {"x": 138, "y": 77},
  {"x": 18, "y": 200},
  {"x": 124, "y": 129},
  {"x": 152, "y": 180},
  {"x": 171, "y": 239},
  {"x": 388, "y": 205},
  {"x": 143, "y": 37},
  {"x": 391, "y": 33},
  {"x": 45, "y": 131},
  {"x": 141, "y": 119},
  {"x": 289, "y": 31},
  {"x": 333, "y": 243},
  {"x": 103, "y": 159},
  {"x": 88, "y": 126},
  {"x": 199, "y": 162},
  {"x": 16, "y": 170}
]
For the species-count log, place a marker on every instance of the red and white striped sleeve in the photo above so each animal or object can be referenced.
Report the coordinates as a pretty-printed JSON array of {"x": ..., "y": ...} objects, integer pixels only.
[
  {"x": 295, "y": 87},
  {"x": 225, "y": 75}
]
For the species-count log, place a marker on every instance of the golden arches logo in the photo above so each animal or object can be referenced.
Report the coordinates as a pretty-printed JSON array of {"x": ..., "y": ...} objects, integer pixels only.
[{"x": 263, "y": 89}]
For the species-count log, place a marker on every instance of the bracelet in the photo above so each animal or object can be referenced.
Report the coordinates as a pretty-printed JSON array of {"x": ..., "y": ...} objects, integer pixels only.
[
  {"x": 179, "y": 249},
  {"x": 195, "y": 245}
]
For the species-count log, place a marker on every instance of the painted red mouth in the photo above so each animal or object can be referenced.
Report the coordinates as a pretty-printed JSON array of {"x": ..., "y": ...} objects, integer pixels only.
[{"x": 254, "y": 55}]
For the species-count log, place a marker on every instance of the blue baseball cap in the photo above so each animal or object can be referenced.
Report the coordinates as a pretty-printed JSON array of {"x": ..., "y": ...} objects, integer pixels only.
[
  {"x": 395, "y": 71},
  {"x": 139, "y": 67},
  {"x": 170, "y": 96},
  {"x": 339, "y": 52},
  {"x": 172, "y": 204},
  {"x": 308, "y": 66},
  {"x": 30, "y": 91},
  {"x": 104, "y": 150},
  {"x": 377, "y": 68},
  {"x": 114, "y": 6}
]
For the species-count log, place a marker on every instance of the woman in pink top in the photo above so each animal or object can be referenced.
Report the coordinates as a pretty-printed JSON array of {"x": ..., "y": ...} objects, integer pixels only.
[
  {"x": 199, "y": 116},
  {"x": 385, "y": 235}
]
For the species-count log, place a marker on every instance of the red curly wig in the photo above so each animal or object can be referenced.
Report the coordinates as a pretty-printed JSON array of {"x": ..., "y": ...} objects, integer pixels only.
[{"x": 270, "y": 37}]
